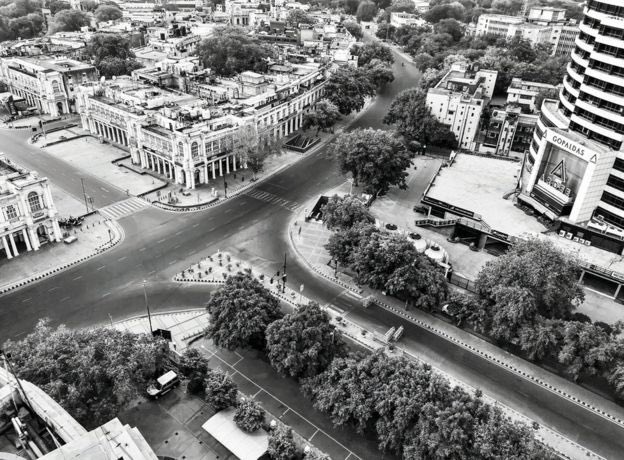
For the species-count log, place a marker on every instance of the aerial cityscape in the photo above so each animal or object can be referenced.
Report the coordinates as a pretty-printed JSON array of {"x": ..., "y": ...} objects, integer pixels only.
[{"x": 311, "y": 229}]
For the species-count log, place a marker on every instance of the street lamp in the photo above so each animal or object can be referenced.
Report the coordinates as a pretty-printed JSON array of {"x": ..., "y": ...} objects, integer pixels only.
[{"x": 149, "y": 316}]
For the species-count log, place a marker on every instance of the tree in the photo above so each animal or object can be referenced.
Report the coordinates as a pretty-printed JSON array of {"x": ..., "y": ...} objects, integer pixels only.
[
  {"x": 194, "y": 366},
  {"x": 440, "y": 12},
  {"x": 540, "y": 340},
  {"x": 249, "y": 416},
  {"x": 240, "y": 312},
  {"x": 341, "y": 212},
  {"x": 249, "y": 148},
  {"x": 374, "y": 157},
  {"x": 93, "y": 374},
  {"x": 68, "y": 21},
  {"x": 547, "y": 273},
  {"x": 57, "y": 6},
  {"x": 89, "y": 5},
  {"x": 385, "y": 31},
  {"x": 343, "y": 243},
  {"x": 112, "y": 66},
  {"x": 379, "y": 73},
  {"x": 348, "y": 89},
  {"x": 221, "y": 391},
  {"x": 24, "y": 27},
  {"x": 303, "y": 343},
  {"x": 105, "y": 13},
  {"x": 353, "y": 28},
  {"x": 281, "y": 444},
  {"x": 366, "y": 11},
  {"x": 420, "y": 282},
  {"x": 368, "y": 52},
  {"x": 231, "y": 51},
  {"x": 297, "y": 16},
  {"x": 414, "y": 121},
  {"x": 323, "y": 115}
]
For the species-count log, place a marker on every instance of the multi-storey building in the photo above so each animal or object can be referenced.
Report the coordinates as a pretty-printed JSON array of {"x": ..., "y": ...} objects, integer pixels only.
[
  {"x": 28, "y": 217},
  {"x": 541, "y": 25},
  {"x": 191, "y": 140},
  {"x": 47, "y": 84},
  {"x": 526, "y": 93},
  {"x": 509, "y": 132},
  {"x": 458, "y": 101},
  {"x": 406, "y": 19},
  {"x": 574, "y": 169}
]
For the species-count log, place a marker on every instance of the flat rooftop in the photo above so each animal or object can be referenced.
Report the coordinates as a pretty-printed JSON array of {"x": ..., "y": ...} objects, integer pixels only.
[{"x": 478, "y": 184}]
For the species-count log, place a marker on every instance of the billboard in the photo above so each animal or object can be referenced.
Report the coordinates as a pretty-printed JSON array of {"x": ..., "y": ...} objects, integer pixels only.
[{"x": 562, "y": 170}]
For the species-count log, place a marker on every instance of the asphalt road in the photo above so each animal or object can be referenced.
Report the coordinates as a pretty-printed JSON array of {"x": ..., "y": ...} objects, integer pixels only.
[{"x": 159, "y": 244}]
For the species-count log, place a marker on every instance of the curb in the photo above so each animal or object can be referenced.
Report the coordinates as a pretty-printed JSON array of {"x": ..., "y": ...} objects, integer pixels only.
[
  {"x": 470, "y": 348},
  {"x": 119, "y": 237}
]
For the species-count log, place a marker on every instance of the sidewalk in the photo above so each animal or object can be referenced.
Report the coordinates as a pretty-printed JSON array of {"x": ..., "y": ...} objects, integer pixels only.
[
  {"x": 308, "y": 239},
  {"x": 94, "y": 236}
]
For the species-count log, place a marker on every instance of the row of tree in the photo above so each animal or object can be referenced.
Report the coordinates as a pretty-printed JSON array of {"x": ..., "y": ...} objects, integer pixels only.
[
  {"x": 111, "y": 54},
  {"x": 389, "y": 262},
  {"x": 526, "y": 299},
  {"x": 412, "y": 410}
]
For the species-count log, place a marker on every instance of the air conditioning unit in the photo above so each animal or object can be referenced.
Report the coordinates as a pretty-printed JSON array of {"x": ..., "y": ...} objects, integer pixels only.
[
  {"x": 587, "y": 243},
  {"x": 569, "y": 235},
  {"x": 562, "y": 233}
]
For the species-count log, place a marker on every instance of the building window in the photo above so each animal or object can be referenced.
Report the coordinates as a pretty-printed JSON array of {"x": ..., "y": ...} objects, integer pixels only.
[
  {"x": 10, "y": 212},
  {"x": 194, "y": 150},
  {"x": 34, "y": 202}
]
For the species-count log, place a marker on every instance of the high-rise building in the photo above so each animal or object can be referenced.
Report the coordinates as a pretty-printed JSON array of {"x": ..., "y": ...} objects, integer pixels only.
[{"x": 574, "y": 168}]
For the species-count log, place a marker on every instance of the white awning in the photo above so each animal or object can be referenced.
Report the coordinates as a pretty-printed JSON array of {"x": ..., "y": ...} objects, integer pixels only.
[{"x": 246, "y": 446}]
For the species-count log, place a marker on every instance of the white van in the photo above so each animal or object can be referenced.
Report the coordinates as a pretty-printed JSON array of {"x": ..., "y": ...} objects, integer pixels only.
[{"x": 164, "y": 384}]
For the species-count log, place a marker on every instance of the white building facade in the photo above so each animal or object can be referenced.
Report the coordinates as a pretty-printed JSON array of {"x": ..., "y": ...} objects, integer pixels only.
[{"x": 28, "y": 217}]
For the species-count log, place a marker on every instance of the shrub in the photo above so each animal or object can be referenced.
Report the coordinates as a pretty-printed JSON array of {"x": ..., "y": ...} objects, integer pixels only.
[{"x": 249, "y": 416}]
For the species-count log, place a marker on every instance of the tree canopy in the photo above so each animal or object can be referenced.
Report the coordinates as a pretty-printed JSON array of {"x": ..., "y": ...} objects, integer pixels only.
[
  {"x": 370, "y": 51},
  {"x": 303, "y": 343},
  {"x": 240, "y": 312},
  {"x": 297, "y": 16},
  {"x": 414, "y": 121},
  {"x": 249, "y": 416},
  {"x": 354, "y": 29},
  {"x": 324, "y": 115},
  {"x": 105, "y": 13},
  {"x": 93, "y": 374},
  {"x": 231, "y": 51},
  {"x": 375, "y": 158},
  {"x": 68, "y": 21},
  {"x": 341, "y": 212},
  {"x": 415, "y": 413},
  {"x": 221, "y": 392},
  {"x": 111, "y": 54},
  {"x": 348, "y": 89}
]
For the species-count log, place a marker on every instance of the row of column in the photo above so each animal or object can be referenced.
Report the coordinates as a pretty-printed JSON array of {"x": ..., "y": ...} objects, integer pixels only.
[
  {"x": 290, "y": 126},
  {"x": 111, "y": 133},
  {"x": 30, "y": 239}
]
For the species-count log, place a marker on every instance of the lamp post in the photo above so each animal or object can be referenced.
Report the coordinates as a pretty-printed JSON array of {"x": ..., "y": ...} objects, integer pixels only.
[
  {"x": 84, "y": 193},
  {"x": 149, "y": 316}
]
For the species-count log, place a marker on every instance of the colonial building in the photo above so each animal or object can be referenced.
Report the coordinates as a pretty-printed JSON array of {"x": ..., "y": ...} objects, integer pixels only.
[
  {"x": 28, "y": 217},
  {"x": 47, "y": 84},
  {"x": 458, "y": 101},
  {"x": 188, "y": 139}
]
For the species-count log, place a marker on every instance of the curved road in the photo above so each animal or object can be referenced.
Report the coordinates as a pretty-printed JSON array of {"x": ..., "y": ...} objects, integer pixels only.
[{"x": 159, "y": 244}]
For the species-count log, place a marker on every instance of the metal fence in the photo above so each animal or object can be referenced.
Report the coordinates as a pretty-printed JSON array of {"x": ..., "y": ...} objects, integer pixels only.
[{"x": 463, "y": 282}]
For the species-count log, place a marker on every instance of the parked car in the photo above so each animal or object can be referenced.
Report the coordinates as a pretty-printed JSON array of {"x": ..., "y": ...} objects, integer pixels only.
[
  {"x": 70, "y": 239},
  {"x": 164, "y": 384}
]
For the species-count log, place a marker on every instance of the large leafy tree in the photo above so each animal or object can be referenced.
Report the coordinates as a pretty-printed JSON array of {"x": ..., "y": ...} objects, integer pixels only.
[
  {"x": 420, "y": 282},
  {"x": 28, "y": 26},
  {"x": 353, "y": 28},
  {"x": 348, "y": 89},
  {"x": 240, "y": 312},
  {"x": 375, "y": 260},
  {"x": 107, "y": 13},
  {"x": 111, "y": 54},
  {"x": 68, "y": 21},
  {"x": 297, "y": 16},
  {"x": 366, "y": 11},
  {"x": 221, "y": 392},
  {"x": 303, "y": 343},
  {"x": 57, "y": 6},
  {"x": 94, "y": 373},
  {"x": 379, "y": 73},
  {"x": 374, "y": 157},
  {"x": 368, "y": 52},
  {"x": 413, "y": 119},
  {"x": 194, "y": 366},
  {"x": 341, "y": 212},
  {"x": 231, "y": 51},
  {"x": 323, "y": 115},
  {"x": 343, "y": 243}
]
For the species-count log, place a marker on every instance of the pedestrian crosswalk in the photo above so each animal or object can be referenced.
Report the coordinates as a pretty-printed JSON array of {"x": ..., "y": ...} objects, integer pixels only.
[
  {"x": 273, "y": 199},
  {"x": 123, "y": 208}
]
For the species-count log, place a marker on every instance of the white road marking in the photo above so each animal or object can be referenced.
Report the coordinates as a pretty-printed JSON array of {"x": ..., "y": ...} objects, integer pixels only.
[
  {"x": 77, "y": 278},
  {"x": 104, "y": 295},
  {"x": 142, "y": 249},
  {"x": 26, "y": 299},
  {"x": 101, "y": 268},
  {"x": 195, "y": 225},
  {"x": 53, "y": 289},
  {"x": 104, "y": 190},
  {"x": 122, "y": 258}
]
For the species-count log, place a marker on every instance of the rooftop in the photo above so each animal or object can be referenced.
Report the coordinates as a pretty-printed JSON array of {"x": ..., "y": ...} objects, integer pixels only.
[{"x": 478, "y": 184}]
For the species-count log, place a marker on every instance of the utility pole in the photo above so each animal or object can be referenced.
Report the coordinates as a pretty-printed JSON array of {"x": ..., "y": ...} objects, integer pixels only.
[
  {"x": 149, "y": 316},
  {"x": 9, "y": 367},
  {"x": 284, "y": 276},
  {"x": 84, "y": 194}
]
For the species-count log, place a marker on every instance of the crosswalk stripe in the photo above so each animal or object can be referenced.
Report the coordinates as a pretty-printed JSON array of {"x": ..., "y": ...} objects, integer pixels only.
[{"x": 123, "y": 208}]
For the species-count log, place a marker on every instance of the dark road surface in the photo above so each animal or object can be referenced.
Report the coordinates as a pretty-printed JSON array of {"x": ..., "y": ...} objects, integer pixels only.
[{"x": 159, "y": 244}]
